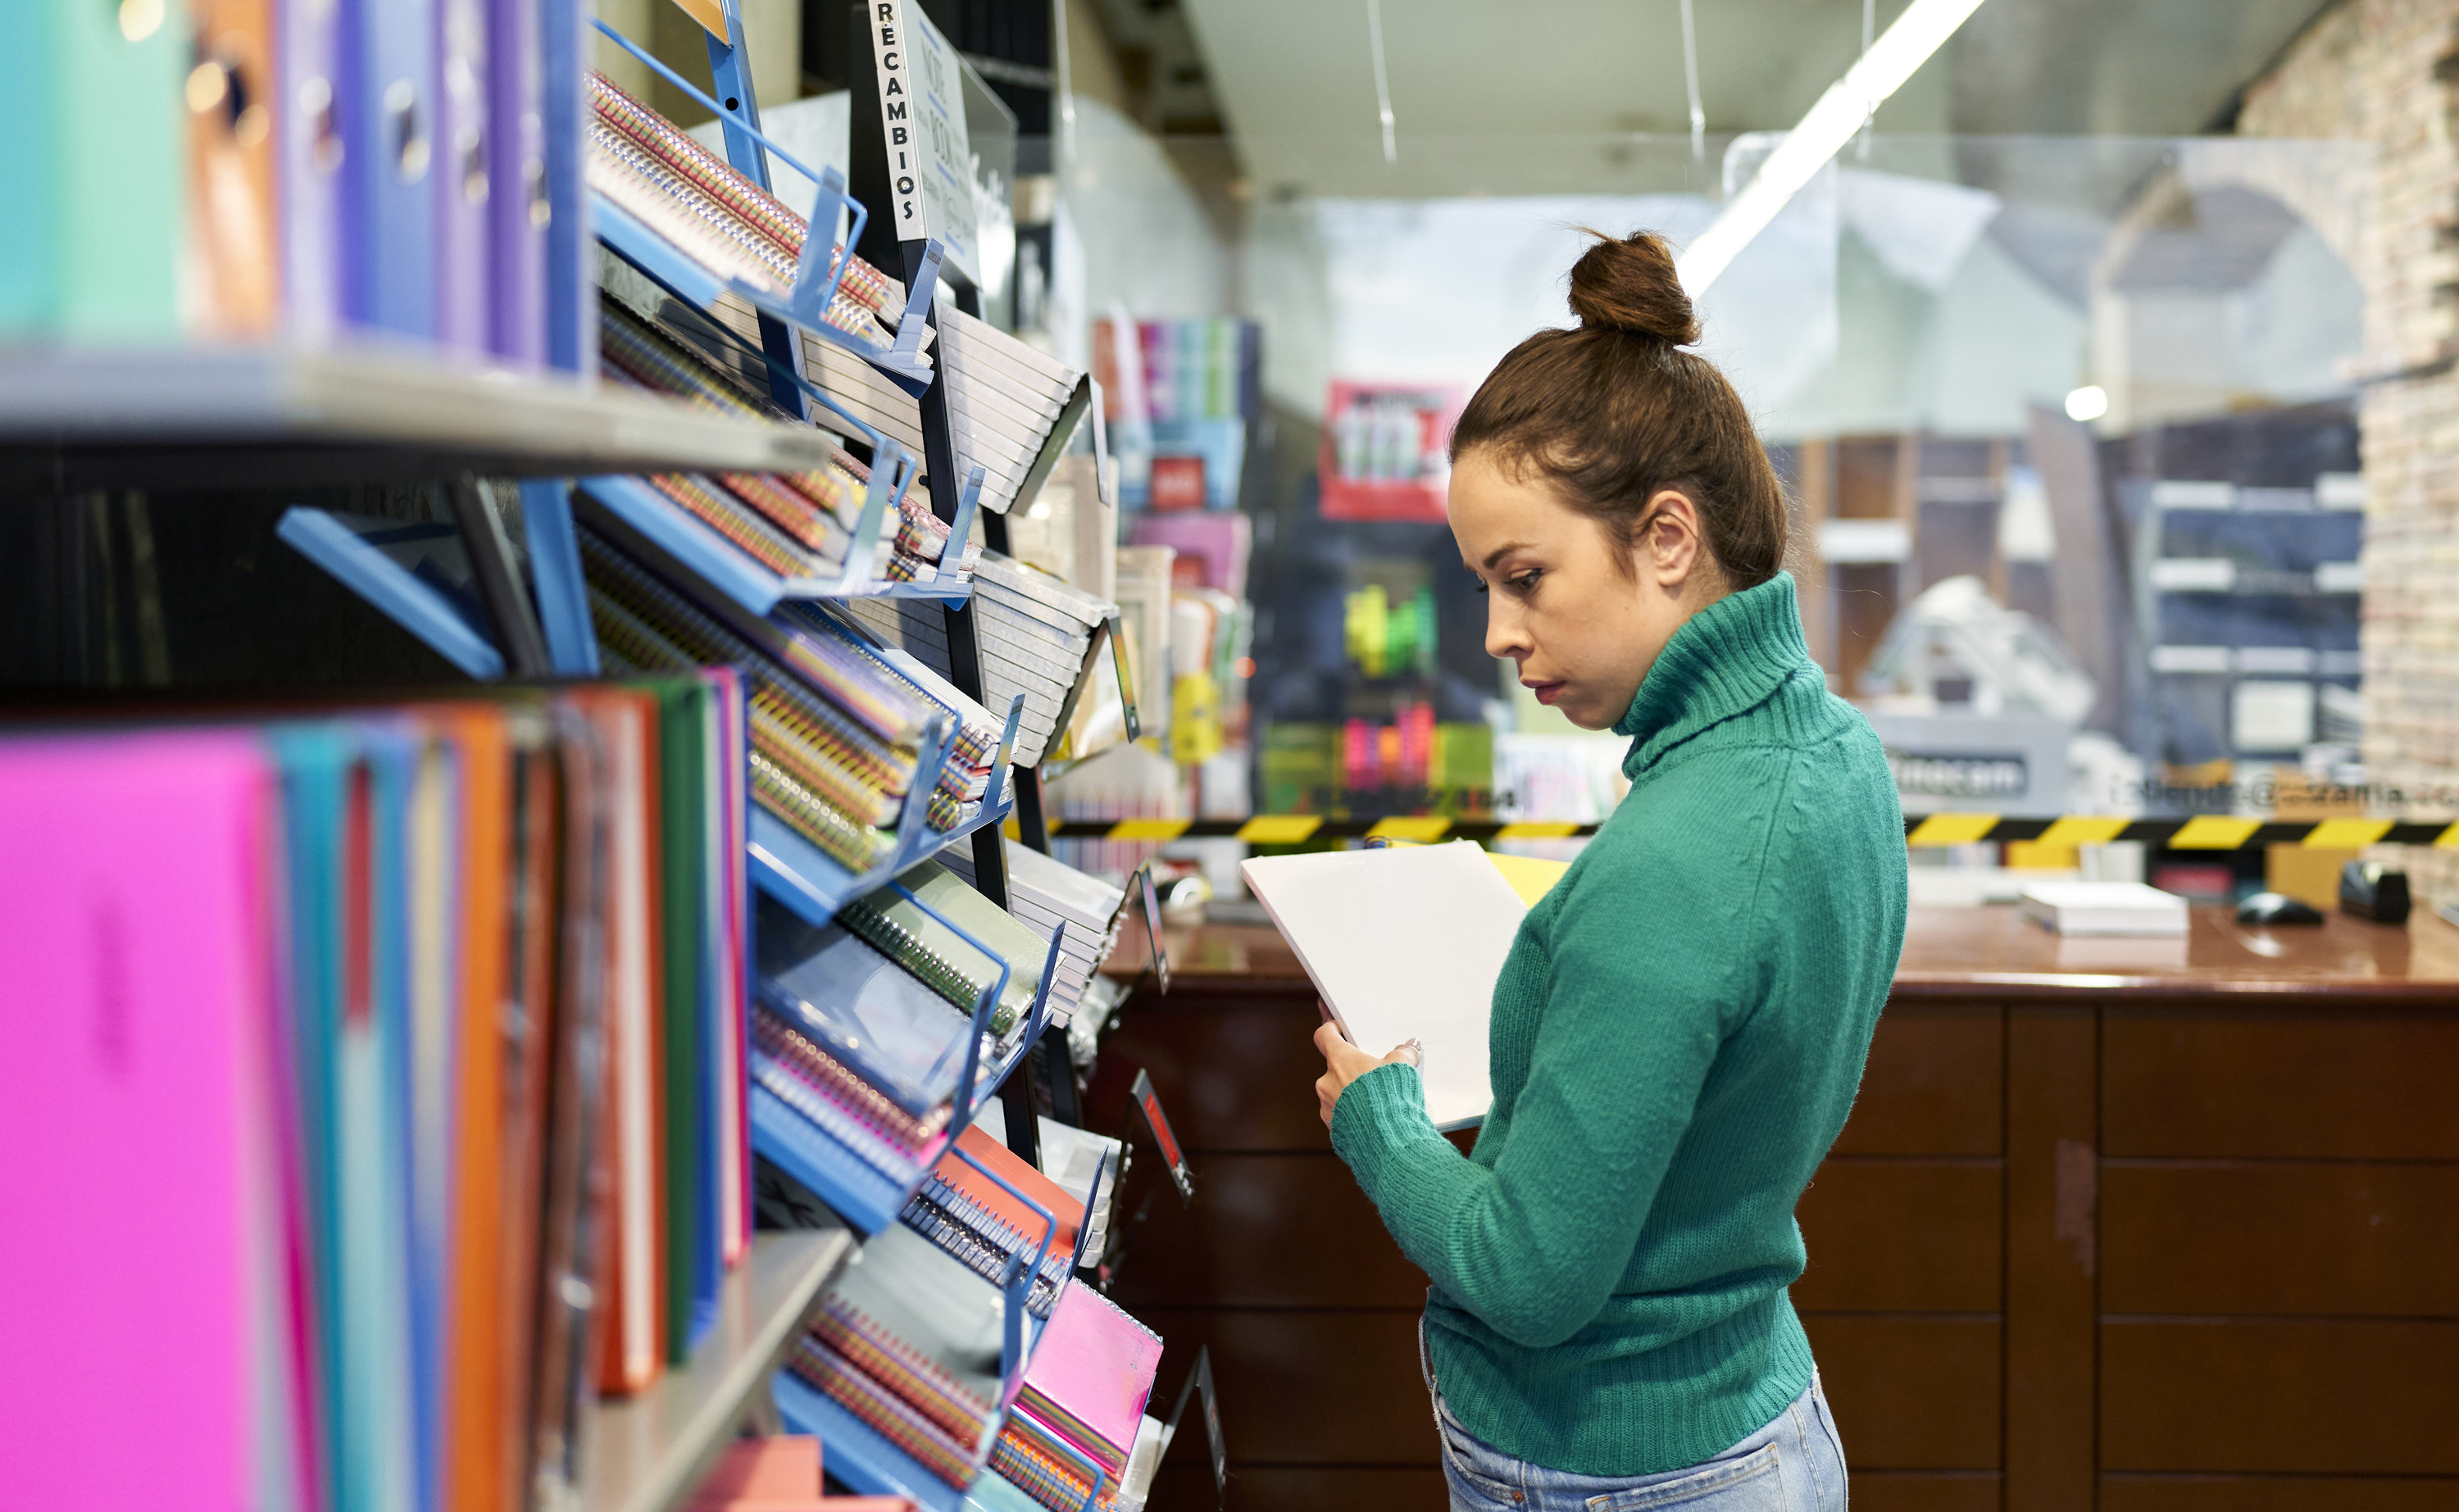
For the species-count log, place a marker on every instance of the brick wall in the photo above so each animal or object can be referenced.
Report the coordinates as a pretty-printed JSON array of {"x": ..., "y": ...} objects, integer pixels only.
[{"x": 2388, "y": 72}]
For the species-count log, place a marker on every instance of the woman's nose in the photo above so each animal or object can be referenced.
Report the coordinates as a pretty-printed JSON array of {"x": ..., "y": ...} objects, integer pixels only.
[{"x": 1504, "y": 635}]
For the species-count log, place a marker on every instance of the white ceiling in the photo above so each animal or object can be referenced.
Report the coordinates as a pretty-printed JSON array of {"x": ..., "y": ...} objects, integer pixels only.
[{"x": 1477, "y": 84}]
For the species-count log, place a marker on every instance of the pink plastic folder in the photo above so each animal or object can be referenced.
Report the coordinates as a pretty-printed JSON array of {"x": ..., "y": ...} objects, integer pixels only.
[
  {"x": 133, "y": 1024},
  {"x": 1090, "y": 1374}
]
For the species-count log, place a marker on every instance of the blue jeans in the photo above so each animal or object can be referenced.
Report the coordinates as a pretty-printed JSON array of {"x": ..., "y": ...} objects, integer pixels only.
[{"x": 1793, "y": 1464}]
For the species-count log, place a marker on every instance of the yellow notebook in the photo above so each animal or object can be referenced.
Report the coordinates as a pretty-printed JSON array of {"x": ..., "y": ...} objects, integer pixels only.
[{"x": 1529, "y": 876}]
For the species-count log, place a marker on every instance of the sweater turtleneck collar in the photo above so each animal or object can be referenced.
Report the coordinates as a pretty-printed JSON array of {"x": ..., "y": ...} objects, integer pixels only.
[{"x": 1726, "y": 660}]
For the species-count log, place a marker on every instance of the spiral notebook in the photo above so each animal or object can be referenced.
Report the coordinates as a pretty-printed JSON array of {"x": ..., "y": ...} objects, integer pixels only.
[
  {"x": 1090, "y": 1376},
  {"x": 865, "y": 1010},
  {"x": 918, "y": 937}
]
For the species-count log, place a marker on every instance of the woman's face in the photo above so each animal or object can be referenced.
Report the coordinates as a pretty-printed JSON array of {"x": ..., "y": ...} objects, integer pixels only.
[{"x": 1582, "y": 628}]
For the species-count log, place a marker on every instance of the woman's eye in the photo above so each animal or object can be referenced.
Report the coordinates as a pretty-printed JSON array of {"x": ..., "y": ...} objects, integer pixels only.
[{"x": 1526, "y": 581}]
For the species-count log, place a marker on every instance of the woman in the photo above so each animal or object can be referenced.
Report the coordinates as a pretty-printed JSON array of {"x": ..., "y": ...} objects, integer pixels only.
[{"x": 1679, "y": 1029}]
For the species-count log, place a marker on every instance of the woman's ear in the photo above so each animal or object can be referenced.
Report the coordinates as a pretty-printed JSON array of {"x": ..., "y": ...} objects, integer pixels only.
[{"x": 1669, "y": 551}]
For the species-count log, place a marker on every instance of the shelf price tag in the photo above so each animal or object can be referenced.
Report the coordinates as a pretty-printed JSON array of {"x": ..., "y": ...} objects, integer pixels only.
[
  {"x": 1148, "y": 1103},
  {"x": 922, "y": 128},
  {"x": 1152, "y": 927},
  {"x": 1198, "y": 1382}
]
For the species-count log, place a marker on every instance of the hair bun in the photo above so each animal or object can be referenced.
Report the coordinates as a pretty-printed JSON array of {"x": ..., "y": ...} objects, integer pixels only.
[{"x": 1630, "y": 284}]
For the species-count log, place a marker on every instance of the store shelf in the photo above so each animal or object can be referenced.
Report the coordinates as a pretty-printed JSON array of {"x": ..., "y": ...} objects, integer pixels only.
[
  {"x": 675, "y": 271},
  {"x": 648, "y": 1452},
  {"x": 858, "y": 1454},
  {"x": 194, "y": 416},
  {"x": 799, "y": 874},
  {"x": 853, "y": 1189},
  {"x": 691, "y": 548}
]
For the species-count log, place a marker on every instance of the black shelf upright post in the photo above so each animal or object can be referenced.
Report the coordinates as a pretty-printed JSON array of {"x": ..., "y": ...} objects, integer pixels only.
[{"x": 868, "y": 176}]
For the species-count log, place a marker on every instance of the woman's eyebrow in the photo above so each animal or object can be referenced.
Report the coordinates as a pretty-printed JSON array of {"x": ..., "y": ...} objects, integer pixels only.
[{"x": 1499, "y": 553}]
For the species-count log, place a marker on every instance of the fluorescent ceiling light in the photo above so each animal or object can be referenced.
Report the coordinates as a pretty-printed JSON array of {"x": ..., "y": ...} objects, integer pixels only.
[{"x": 1920, "y": 31}]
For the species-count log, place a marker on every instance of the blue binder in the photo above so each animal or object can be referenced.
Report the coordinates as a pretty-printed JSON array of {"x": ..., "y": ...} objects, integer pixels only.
[
  {"x": 571, "y": 254},
  {"x": 388, "y": 150}
]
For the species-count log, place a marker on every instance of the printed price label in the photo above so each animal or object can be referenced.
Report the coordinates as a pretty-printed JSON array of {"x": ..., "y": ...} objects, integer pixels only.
[
  {"x": 1149, "y": 1104},
  {"x": 1152, "y": 927}
]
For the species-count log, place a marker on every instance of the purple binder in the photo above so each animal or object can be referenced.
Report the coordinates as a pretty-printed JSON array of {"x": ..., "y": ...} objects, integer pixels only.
[
  {"x": 309, "y": 166},
  {"x": 516, "y": 199},
  {"x": 463, "y": 174}
]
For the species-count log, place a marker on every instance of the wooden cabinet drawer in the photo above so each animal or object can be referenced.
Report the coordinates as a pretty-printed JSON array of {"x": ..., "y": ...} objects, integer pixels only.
[
  {"x": 2326, "y": 1239},
  {"x": 1234, "y": 1074},
  {"x": 1901, "y": 1491},
  {"x": 1184, "y": 1483},
  {"x": 1911, "y": 1392},
  {"x": 1268, "y": 1230},
  {"x": 2303, "y": 1396},
  {"x": 1934, "y": 1084},
  {"x": 1305, "y": 1388},
  {"x": 2335, "y": 1084},
  {"x": 1899, "y": 1235},
  {"x": 2123, "y": 1493}
]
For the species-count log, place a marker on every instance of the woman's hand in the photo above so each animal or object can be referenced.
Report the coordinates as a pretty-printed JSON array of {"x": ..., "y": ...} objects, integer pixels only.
[{"x": 1344, "y": 1062}]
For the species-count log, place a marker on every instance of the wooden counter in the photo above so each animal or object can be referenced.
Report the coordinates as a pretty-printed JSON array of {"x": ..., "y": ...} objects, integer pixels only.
[{"x": 2153, "y": 1227}]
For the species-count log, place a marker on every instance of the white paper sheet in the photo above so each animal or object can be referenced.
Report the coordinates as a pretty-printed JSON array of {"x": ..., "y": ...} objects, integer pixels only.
[{"x": 1402, "y": 942}]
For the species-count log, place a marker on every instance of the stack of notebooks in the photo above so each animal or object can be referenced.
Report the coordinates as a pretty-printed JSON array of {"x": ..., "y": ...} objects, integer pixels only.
[
  {"x": 964, "y": 783},
  {"x": 1084, "y": 1391},
  {"x": 909, "y": 1342},
  {"x": 795, "y": 524},
  {"x": 1046, "y": 895},
  {"x": 984, "y": 1224},
  {"x": 416, "y": 1091},
  {"x": 1006, "y": 402},
  {"x": 862, "y": 1025},
  {"x": 1010, "y": 408},
  {"x": 1037, "y": 635},
  {"x": 647, "y": 166},
  {"x": 835, "y": 739}
]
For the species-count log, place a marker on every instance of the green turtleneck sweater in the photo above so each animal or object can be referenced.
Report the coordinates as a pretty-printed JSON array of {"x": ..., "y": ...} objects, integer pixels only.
[{"x": 1677, "y": 1035}]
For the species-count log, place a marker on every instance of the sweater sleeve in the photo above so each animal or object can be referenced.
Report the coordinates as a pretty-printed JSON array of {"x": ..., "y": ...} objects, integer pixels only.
[{"x": 1649, "y": 957}]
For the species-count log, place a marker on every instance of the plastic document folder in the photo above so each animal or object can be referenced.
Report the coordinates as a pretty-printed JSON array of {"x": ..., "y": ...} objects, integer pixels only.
[
  {"x": 1402, "y": 942},
  {"x": 139, "y": 1036},
  {"x": 870, "y": 1014}
]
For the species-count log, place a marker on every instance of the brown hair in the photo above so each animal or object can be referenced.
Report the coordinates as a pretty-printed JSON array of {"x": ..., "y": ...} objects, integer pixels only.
[{"x": 1614, "y": 409}]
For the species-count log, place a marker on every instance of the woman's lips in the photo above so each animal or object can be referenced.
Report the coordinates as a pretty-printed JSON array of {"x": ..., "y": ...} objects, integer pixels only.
[{"x": 1547, "y": 692}]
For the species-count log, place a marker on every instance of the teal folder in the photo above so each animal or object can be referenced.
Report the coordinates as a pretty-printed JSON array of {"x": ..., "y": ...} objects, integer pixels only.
[{"x": 95, "y": 177}]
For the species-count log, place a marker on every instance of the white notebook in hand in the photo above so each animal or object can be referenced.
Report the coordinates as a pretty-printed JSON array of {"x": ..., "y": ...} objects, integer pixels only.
[{"x": 1402, "y": 942}]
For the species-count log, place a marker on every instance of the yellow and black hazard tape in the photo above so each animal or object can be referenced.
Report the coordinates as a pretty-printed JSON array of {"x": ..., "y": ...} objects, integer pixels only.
[{"x": 2202, "y": 832}]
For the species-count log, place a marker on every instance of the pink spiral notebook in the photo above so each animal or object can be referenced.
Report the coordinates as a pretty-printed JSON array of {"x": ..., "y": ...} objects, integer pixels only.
[{"x": 1090, "y": 1374}]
